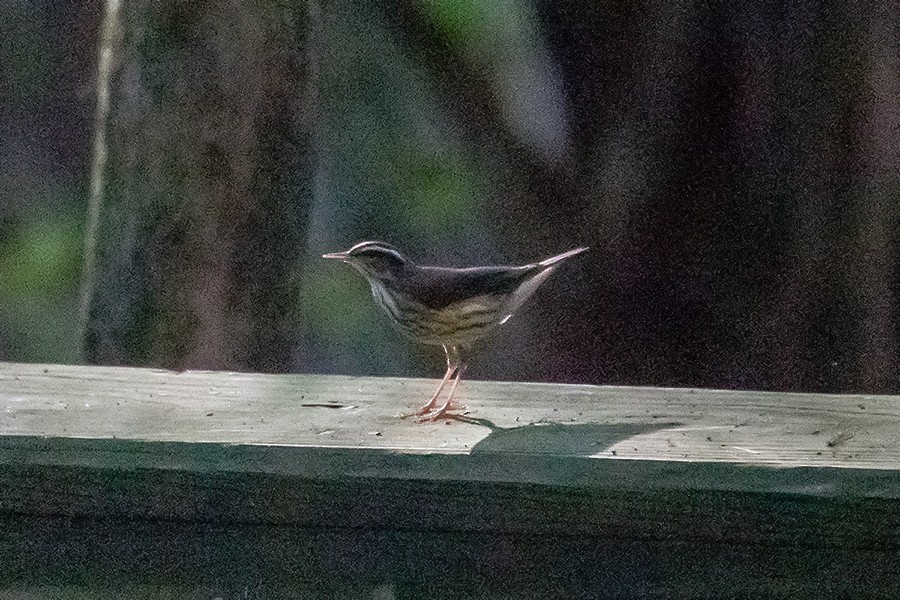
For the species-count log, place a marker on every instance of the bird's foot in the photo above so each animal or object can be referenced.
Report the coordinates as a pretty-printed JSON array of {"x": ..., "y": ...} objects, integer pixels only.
[
  {"x": 422, "y": 411},
  {"x": 444, "y": 412}
]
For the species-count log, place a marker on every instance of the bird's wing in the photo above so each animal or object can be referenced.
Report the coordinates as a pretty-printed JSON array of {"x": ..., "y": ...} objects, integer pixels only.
[{"x": 438, "y": 287}]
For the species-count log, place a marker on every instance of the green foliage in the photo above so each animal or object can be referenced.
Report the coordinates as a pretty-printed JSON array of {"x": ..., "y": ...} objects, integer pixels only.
[
  {"x": 396, "y": 164},
  {"x": 40, "y": 266},
  {"x": 439, "y": 191},
  {"x": 39, "y": 260}
]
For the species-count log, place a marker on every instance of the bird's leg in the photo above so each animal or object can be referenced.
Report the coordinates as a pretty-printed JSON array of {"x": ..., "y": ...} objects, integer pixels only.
[
  {"x": 455, "y": 363},
  {"x": 451, "y": 367},
  {"x": 437, "y": 393},
  {"x": 448, "y": 405},
  {"x": 447, "y": 355}
]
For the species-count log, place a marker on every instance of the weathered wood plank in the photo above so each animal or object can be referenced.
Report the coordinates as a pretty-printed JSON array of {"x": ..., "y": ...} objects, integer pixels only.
[
  {"x": 679, "y": 425},
  {"x": 630, "y": 491}
]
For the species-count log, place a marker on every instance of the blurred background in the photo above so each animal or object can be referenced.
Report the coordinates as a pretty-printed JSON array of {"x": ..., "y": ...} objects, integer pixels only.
[{"x": 735, "y": 168}]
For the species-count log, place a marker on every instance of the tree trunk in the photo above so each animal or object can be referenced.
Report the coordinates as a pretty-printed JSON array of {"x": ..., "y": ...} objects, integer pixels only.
[{"x": 206, "y": 187}]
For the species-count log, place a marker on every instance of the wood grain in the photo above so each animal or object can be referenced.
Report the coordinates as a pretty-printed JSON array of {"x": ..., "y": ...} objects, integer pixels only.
[{"x": 615, "y": 423}]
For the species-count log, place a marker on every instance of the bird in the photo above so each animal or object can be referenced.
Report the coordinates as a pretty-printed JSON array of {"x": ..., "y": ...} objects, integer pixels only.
[{"x": 441, "y": 306}]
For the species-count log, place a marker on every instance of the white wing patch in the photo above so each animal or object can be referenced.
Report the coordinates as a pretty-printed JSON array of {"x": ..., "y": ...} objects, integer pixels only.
[{"x": 525, "y": 290}]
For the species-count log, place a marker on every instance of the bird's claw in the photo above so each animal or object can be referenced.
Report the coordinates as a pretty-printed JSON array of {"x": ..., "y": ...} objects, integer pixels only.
[
  {"x": 442, "y": 412},
  {"x": 419, "y": 413}
]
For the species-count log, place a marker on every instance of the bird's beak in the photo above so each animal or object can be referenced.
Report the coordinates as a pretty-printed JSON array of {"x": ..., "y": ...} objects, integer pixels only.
[{"x": 337, "y": 255}]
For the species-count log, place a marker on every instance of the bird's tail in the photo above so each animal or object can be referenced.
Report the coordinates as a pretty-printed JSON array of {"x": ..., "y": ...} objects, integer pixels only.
[
  {"x": 540, "y": 272},
  {"x": 561, "y": 257}
]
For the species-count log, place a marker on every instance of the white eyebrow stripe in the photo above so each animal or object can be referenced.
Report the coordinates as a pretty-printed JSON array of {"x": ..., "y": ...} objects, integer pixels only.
[
  {"x": 377, "y": 246},
  {"x": 361, "y": 244}
]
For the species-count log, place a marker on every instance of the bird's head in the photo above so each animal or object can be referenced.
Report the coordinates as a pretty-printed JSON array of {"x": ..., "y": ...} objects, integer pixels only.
[{"x": 373, "y": 259}]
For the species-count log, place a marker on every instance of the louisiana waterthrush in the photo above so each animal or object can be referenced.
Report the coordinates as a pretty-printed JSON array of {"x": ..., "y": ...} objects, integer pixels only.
[{"x": 452, "y": 308}]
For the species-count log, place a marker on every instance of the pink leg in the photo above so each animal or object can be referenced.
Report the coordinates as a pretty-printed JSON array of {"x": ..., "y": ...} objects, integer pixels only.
[
  {"x": 437, "y": 393},
  {"x": 433, "y": 402},
  {"x": 448, "y": 405}
]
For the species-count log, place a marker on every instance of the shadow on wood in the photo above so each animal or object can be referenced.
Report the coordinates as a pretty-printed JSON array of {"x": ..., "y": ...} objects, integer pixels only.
[{"x": 584, "y": 439}]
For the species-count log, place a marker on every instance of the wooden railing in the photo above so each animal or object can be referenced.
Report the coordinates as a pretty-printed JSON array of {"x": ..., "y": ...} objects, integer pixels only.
[{"x": 211, "y": 483}]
